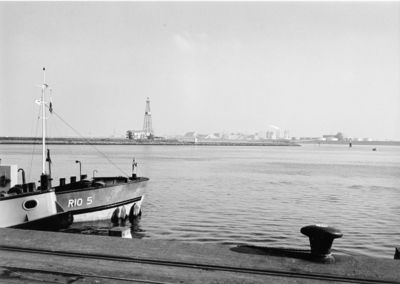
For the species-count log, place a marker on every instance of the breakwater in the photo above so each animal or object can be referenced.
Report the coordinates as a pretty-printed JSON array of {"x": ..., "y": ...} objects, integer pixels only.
[
  {"x": 353, "y": 143},
  {"x": 121, "y": 141}
]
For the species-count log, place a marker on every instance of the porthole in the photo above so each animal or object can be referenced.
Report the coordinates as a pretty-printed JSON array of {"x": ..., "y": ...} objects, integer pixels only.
[{"x": 30, "y": 204}]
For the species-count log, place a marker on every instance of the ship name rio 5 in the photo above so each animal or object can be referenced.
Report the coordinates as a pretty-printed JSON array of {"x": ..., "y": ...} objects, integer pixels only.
[{"x": 79, "y": 202}]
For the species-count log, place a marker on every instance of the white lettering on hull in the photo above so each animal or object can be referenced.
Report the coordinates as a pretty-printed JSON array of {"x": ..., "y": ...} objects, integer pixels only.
[{"x": 78, "y": 202}]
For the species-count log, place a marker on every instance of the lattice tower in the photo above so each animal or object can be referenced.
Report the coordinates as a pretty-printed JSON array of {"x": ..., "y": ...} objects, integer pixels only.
[{"x": 147, "y": 125}]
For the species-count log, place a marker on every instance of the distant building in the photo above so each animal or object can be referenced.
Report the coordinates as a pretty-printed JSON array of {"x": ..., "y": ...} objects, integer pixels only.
[
  {"x": 201, "y": 136},
  {"x": 340, "y": 137},
  {"x": 253, "y": 137},
  {"x": 262, "y": 134},
  {"x": 225, "y": 135},
  {"x": 367, "y": 139},
  {"x": 191, "y": 135},
  {"x": 135, "y": 134},
  {"x": 286, "y": 135},
  {"x": 242, "y": 136},
  {"x": 271, "y": 135},
  {"x": 233, "y": 136},
  {"x": 217, "y": 135},
  {"x": 211, "y": 136},
  {"x": 237, "y": 136}
]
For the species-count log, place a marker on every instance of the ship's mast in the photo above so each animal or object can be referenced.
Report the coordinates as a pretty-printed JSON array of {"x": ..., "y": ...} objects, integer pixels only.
[{"x": 43, "y": 104}]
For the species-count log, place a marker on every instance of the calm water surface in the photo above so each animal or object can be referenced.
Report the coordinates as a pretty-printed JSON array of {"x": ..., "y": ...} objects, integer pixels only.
[{"x": 248, "y": 195}]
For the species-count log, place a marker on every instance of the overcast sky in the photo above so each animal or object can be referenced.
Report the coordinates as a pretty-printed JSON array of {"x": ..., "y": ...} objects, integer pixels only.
[{"x": 312, "y": 68}]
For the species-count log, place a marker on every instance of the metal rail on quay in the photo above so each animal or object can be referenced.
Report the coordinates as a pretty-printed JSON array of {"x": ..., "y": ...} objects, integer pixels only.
[{"x": 276, "y": 273}]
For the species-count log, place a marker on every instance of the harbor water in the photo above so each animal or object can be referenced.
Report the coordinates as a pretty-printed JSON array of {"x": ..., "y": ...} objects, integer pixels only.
[{"x": 255, "y": 195}]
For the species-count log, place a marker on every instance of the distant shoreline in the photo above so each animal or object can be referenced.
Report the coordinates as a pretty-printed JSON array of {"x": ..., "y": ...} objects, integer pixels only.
[
  {"x": 200, "y": 142},
  {"x": 353, "y": 143},
  {"x": 113, "y": 141}
]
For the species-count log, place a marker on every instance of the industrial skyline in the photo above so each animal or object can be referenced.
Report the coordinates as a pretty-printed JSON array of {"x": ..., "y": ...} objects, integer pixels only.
[{"x": 272, "y": 134}]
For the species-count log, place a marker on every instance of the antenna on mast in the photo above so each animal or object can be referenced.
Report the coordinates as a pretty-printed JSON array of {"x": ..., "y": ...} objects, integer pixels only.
[{"x": 44, "y": 75}]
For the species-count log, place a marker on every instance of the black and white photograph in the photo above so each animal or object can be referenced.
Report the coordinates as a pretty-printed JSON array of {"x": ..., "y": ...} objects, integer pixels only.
[{"x": 199, "y": 142}]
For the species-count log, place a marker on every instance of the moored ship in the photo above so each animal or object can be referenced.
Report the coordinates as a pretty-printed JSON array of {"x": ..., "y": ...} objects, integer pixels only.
[
  {"x": 99, "y": 198},
  {"x": 24, "y": 207}
]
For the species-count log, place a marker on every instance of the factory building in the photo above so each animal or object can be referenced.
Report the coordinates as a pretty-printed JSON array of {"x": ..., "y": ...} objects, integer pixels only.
[
  {"x": 286, "y": 135},
  {"x": 271, "y": 135},
  {"x": 135, "y": 134}
]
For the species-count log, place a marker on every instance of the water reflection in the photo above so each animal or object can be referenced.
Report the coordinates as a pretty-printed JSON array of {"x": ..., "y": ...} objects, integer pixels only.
[{"x": 101, "y": 228}]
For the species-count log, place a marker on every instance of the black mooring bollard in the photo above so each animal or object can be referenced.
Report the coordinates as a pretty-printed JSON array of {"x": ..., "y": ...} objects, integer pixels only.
[
  {"x": 321, "y": 238},
  {"x": 397, "y": 253}
]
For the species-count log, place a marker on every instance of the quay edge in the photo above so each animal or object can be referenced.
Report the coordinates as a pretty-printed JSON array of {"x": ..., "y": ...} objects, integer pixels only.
[{"x": 115, "y": 260}]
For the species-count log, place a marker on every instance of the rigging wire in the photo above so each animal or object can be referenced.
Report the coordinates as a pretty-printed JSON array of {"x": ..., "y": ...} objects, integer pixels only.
[
  {"x": 69, "y": 149},
  {"x": 34, "y": 144},
  {"x": 87, "y": 141},
  {"x": 30, "y": 157}
]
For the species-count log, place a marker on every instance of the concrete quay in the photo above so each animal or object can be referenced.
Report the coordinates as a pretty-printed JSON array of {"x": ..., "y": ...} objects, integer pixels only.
[{"x": 50, "y": 257}]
